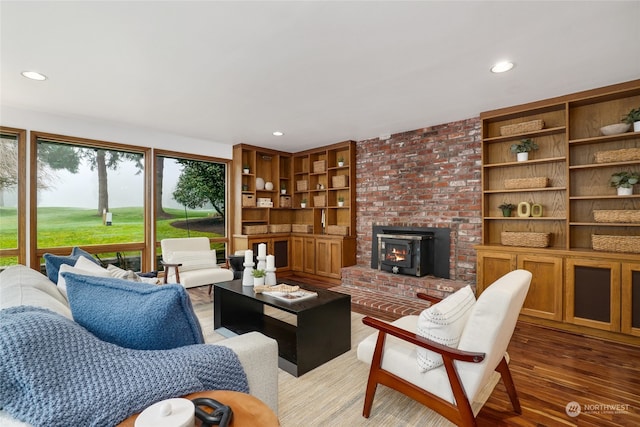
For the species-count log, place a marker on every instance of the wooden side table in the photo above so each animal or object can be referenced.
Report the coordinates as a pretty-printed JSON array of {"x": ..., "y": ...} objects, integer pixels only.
[{"x": 248, "y": 411}]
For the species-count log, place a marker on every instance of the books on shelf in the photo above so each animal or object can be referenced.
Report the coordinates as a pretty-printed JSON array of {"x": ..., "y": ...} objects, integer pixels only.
[{"x": 299, "y": 295}]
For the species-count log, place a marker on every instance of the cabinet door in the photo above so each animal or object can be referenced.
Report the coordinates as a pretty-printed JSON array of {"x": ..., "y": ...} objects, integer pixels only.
[
  {"x": 544, "y": 298},
  {"x": 279, "y": 247},
  {"x": 593, "y": 293},
  {"x": 328, "y": 257},
  {"x": 297, "y": 253},
  {"x": 309, "y": 265},
  {"x": 492, "y": 266},
  {"x": 631, "y": 299}
]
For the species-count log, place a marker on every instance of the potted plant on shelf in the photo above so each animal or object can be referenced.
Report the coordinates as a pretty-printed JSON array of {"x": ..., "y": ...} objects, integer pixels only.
[
  {"x": 633, "y": 117},
  {"x": 283, "y": 188},
  {"x": 624, "y": 182},
  {"x": 245, "y": 169},
  {"x": 522, "y": 149},
  {"x": 258, "y": 277},
  {"x": 303, "y": 203},
  {"x": 340, "y": 201},
  {"x": 506, "y": 208},
  {"x": 340, "y": 161}
]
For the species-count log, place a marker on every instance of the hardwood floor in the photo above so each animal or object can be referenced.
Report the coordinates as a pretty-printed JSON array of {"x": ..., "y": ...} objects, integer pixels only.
[{"x": 552, "y": 368}]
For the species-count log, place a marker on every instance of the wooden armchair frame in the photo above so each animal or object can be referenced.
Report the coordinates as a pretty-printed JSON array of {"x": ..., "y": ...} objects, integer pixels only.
[{"x": 460, "y": 413}]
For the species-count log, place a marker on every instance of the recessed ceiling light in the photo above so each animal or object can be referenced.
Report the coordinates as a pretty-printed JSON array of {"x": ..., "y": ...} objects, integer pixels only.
[
  {"x": 278, "y": 133},
  {"x": 502, "y": 67},
  {"x": 34, "y": 75}
]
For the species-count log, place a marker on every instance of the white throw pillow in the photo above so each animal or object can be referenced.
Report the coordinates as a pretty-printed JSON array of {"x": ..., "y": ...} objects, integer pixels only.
[
  {"x": 119, "y": 273},
  {"x": 194, "y": 260},
  {"x": 443, "y": 323},
  {"x": 82, "y": 266}
]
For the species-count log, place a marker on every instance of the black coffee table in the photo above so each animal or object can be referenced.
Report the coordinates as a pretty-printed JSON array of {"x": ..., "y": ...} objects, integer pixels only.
[{"x": 323, "y": 328}]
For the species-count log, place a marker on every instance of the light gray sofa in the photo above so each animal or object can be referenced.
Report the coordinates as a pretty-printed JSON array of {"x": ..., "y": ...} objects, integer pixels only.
[{"x": 20, "y": 285}]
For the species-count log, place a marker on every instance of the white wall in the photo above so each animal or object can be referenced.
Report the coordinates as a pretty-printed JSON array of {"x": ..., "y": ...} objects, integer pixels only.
[{"x": 111, "y": 132}]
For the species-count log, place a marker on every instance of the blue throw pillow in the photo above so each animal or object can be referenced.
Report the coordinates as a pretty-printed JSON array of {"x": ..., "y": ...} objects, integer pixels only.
[
  {"x": 79, "y": 251},
  {"x": 133, "y": 315},
  {"x": 53, "y": 262}
]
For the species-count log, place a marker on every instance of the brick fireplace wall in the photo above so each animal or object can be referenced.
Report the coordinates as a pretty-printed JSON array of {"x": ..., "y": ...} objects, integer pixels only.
[{"x": 427, "y": 177}]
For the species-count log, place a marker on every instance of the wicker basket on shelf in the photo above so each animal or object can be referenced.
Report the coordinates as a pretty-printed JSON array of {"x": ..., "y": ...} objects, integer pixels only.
[
  {"x": 602, "y": 242},
  {"x": 319, "y": 201},
  {"x": 339, "y": 181},
  {"x": 302, "y": 185},
  {"x": 526, "y": 239},
  {"x": 319, "y": 166},
  {"x": 518, "y": 128},
  {"x": 618, "y": 215},
  {"x": 338, "y": 230},
  {"x": 533, "y": 182},
  {"x": 279, "y": 228},
  {"x": 623, "y": 155},
  {"x": 255, "y": 229},
  {"x": 301, "y": 228}
]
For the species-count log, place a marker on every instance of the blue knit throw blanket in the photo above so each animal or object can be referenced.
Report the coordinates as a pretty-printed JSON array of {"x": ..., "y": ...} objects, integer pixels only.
[{"x": 54, "y": 372}]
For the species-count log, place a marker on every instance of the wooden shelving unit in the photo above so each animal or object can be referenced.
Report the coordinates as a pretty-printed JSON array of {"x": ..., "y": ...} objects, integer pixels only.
[
  {"x": 578, "y": 185},
  {"x": 324, "y": 178}
]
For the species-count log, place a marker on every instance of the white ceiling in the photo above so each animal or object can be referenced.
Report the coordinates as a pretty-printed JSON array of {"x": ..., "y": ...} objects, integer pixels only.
[{"x": 322, "y": 72}]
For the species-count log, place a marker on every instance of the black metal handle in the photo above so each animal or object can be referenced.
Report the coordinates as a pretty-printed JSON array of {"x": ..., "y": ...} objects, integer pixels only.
[{"x": 221, "y": 415}]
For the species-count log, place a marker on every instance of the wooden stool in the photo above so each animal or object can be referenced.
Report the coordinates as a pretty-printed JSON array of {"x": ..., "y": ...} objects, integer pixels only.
[{"x": 248, "y": 411}]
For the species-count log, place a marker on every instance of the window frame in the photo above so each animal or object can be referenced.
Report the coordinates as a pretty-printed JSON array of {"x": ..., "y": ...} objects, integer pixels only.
[
  {"x": 143, "y": 247},
  {"x": 21, "y": 250},
  {"x": 188, "y": 156}
]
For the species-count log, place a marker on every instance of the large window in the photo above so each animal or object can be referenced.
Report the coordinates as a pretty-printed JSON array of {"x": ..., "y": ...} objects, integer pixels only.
[
  {"x": 12, "y": 196},
  {"x": 90, "y": 194},
  {"x": 191, "y": 194}
]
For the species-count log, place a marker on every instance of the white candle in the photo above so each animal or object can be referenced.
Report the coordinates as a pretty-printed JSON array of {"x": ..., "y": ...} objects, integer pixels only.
[
  {"x": 271, "y": 262},
  {"x": 262, "y": 250},
  {"x": 248, "y": 256}
]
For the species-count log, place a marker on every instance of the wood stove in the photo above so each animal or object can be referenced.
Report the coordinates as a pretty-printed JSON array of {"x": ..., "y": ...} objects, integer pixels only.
[
  {"x": 413, "y": 251},
  {"x": 405, "y": 253}
]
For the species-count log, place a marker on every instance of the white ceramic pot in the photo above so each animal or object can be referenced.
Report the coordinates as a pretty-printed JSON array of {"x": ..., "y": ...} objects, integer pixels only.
[
  {"x": 340, "y": 204},
  {"x": 259, "y": 183},
  {"x": 340, "y": 164},
  {"x": 636, "y": 126},
  {"x": 303, "y": 205},
  {"x": 622, "y": 191},
  {"x": 258, "y": 281},
  {"x": 246, "y": 170},
  {"x": 283, "y": 191},
  {"x": 522, "y": 157},
  {"x": 268, "y": 185}
]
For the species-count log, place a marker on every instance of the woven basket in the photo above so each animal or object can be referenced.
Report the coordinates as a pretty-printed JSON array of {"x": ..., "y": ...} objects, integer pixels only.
[
  {"x": 248, "y": 200},
  {"x": 319, "y": 166},
  {"x": 301, "y": 228},
  {"x": 285, "y": 201},
  {"x": 602, "y": 242},
  {"x": 339, "y": 181},
  {"x": 534, "y": 182},
  {"x": 339, "y": 230},
  {"x": 319, "y": 201},
  {"x": 519, "y": 128},
  {"x": 616, "y": 215},
  {"x": 279, "y": 228},
  {"x": 527, "y": 239},
  {"x": 254, "y": 229},
  {"x": 623, "y": 155},
  {"x": 302, "y": 185}
]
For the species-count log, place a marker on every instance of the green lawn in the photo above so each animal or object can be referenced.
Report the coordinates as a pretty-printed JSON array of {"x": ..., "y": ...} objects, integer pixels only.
[{"x": 74, "y": 226}]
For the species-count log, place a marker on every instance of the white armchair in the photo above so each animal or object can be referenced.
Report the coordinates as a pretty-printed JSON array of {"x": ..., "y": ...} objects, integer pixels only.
[
  {"x": 449, "y": 389},
  {"x": 191, "y": 262}
]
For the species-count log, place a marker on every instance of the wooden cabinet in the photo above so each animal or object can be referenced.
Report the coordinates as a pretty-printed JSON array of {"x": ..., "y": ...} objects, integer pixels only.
[
  {"x": 277, "y": 245},
  {"x": 579, "y": 282},
  {"x": 324, "y": 178},
  {"x": 544, "y": 299}
]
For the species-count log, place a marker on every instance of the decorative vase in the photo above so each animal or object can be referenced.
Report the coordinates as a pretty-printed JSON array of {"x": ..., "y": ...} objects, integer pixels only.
[
  {"x": 522, "y": 157},
  {"x": 259, "y": 183},
  {"x": 524, "y": 209},
  {"x": 536, "y": 210},
  {"x": 258, "y": 281},
  {"x": 623, "y": 191},
  {"x": 268, "y": 185},
  {"x": 636, "y": 126},
  {"x": 506, "y": 212}
]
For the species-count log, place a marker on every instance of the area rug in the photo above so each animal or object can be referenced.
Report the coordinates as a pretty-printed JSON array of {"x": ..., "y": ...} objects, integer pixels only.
[{"x": 333, "y": 394}]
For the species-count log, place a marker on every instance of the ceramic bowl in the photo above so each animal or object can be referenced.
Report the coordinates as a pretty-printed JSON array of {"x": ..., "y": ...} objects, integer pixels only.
[{"x": 615, "y": 129}]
